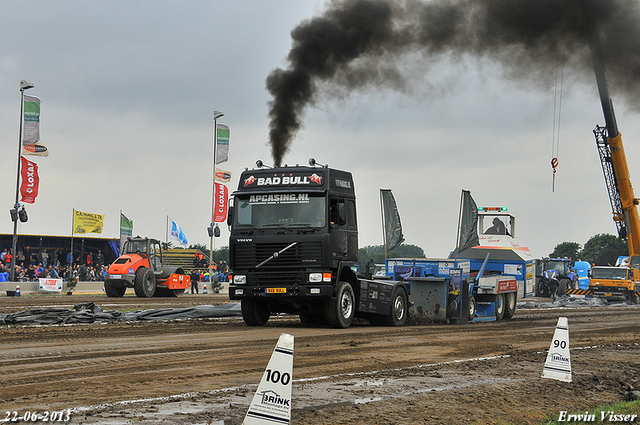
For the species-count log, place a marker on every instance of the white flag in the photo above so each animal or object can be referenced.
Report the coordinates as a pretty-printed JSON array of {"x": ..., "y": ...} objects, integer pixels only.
[{"x": 177, "y": 234}]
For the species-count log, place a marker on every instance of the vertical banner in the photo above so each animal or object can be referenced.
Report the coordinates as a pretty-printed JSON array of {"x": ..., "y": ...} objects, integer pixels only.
[
  {"x": 222, "y": 143},
  {"x": 222, "y": 196},
  {"x": 126, "y": 229},
  {"x": 31, "y": 126},
  {"x": 30, "y": 180},
  {"x": 468, "y": 223},
  {"x": 391, "y": 220}
]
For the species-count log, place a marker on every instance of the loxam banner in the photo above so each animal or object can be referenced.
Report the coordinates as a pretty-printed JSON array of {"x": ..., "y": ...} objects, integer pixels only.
[
  {"x": 221, "y": 202},
  {"x": 87, "y": 222},
  {"x": 30, "y": 180}
]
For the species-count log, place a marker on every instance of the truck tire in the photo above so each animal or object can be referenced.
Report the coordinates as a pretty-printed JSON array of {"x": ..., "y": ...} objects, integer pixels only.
[
  {"x": 473, "y": 307},
  {"x": 144, "y": 283},
  {"x": 634, "y": 298},
  {"x": 499, "y": 302},
  {"x": 114, "y": 291},
  {"x": 341, "y": 310},
  {"x": 254, "y": 312},
  {"x": 399, "y": 308},
  {"x": 509, "y": 304}
]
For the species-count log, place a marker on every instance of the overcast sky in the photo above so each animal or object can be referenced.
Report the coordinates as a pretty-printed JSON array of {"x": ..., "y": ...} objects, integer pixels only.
[{"x": 128, "y": 90}]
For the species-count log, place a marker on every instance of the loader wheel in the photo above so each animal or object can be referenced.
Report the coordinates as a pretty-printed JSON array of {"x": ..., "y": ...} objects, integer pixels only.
[
  {"x": 114, "y": 291},
  {"x": 509, "y": 305},
  {"x": 499, "y": 300},
  {"x": 341, "y": 310},
  {"x": 255, "y": 313},
  {"x": 472, "y": 307},
  {"x": 144, "y": 283}
]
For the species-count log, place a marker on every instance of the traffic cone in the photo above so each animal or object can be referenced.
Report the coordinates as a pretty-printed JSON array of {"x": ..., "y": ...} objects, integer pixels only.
[
  {"x": 204, "y": 290},
  {"x": 17, "y": 294}
]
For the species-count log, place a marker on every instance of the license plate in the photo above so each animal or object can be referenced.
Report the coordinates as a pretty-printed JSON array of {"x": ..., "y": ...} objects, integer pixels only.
[
  {"x": 115, "y": 276},
  {"x": 276, "y": 290}
]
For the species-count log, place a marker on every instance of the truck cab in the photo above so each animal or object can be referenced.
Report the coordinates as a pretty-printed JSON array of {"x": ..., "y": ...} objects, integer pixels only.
[{"x": 622, "y": 282}]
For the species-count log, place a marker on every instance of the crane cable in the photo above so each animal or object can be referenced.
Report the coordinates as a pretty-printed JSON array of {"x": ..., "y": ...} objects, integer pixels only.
[{"x": 557, "y": 113}]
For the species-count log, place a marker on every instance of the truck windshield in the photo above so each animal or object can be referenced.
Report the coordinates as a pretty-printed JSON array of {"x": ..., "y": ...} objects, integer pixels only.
[
  {"x": 280, "y": 210},
  {"x": 609, "y": 273}
]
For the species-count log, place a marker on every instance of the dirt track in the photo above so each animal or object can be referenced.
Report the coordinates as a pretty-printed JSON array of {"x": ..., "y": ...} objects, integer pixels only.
[{"x": 206, "y": 370}]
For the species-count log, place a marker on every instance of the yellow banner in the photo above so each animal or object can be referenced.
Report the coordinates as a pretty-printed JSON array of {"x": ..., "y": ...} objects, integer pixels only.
[{"x": 86, "y": 222}]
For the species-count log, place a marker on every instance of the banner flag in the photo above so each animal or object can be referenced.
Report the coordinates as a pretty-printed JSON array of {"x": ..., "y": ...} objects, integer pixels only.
[
  {"x": 126, "y": 229},
  {"x": 391, "y": 220},
  {"x": 37, "y": 149},
  {"x": 177, "y": 234},
  {"x": 468, "y": 223},
  {"x": 222, "y": 176},
  {"x": 222, "y": 143},
  {"x": 30, "y": 180},
  {"x": 31, "y": 125},
  {"x": 86, "y": 222},
  {"x": 222, "y": 196}
]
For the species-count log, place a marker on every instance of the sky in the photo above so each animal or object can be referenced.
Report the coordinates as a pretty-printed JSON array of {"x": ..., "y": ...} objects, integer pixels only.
[{"x": 128, "y": 90}]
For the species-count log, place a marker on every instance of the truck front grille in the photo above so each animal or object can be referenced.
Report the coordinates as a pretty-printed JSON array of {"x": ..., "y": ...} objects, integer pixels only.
[{"x": 248, "y": 256}]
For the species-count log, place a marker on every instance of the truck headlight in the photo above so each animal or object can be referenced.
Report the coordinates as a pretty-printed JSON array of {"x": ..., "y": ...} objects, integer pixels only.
[
  {"x": 315, "y": 277},
  {"x": 239, "y": 279}
]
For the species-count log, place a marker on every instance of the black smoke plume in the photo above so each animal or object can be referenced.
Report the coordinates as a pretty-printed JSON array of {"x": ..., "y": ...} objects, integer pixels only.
[{"x": 347, "y": 45}]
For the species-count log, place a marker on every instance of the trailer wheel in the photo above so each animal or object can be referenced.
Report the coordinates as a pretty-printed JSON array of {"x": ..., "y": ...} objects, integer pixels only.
[
  {"x": 472, "y": 307},
  {"x": 255, "y": 313},
  {"x": 341, "y": 310},
  {"x": 144, "y": 283},
  {"x": 499, "y": 300},
  {"x": 510, "y": 305},
  {"x": 113, "y": 291}
]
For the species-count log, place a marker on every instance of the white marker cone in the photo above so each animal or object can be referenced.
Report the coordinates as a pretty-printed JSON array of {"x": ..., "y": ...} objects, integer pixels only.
[
  {"x": 558, "y": 364},
  {"x": 272, "y": 402}
]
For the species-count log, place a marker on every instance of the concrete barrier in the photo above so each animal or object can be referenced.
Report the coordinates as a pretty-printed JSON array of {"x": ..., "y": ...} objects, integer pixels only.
[{"x": 81, "y": 288}]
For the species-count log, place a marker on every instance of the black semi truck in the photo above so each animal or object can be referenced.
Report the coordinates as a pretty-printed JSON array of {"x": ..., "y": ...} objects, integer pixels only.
[{"x": 293, "y": 248}]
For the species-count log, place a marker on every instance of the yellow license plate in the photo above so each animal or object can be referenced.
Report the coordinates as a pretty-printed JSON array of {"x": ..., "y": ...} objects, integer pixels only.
[{"x": 276, "y": 290}]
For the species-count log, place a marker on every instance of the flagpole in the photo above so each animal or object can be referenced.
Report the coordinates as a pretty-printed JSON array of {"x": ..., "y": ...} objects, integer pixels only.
[
  {"x": 24, "y": 85},
  {"x": 73, "y": 217},
  {"x": 216, "y": 115}
]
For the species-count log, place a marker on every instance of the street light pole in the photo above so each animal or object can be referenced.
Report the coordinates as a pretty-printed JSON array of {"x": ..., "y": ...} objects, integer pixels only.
[
  {"x": 24, "y": 85},
  {"x": 216, "y": 115}
]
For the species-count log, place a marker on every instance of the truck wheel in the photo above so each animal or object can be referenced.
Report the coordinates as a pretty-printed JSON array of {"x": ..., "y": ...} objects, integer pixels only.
[
  {"x": 145, "y": 283},
  {"x": 635, "y": 299},
  {"x": 255, "y": 313},
  {"x": 499, "y": 301},
  {"x": 114, "y": 291},
  {"x": 563, "y": 286},
  {"x": 472, "y": 307},
  {"x": 509, "y": 305},
  {"x": 341, "y": 310},
  {"x": 399, "y": 308}
]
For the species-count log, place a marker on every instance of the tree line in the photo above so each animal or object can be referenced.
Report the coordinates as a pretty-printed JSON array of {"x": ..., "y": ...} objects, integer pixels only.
[{"x": 601, "y": 249}]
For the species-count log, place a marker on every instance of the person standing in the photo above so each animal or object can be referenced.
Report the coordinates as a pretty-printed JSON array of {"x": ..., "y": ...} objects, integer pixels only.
[
  {"x": 99, "y": 259},
  {"x": 195, "y": 278}
]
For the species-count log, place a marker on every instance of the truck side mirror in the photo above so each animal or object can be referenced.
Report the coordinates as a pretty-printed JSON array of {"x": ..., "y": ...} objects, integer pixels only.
[{"x": 229, "y": 215}]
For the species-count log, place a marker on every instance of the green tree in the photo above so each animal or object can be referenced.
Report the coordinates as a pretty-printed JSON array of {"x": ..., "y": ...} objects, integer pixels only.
[
  {"x": 375, "y": 254},
  {"x": 566, "y": 249},
  {"x": 603, "y": 249}
]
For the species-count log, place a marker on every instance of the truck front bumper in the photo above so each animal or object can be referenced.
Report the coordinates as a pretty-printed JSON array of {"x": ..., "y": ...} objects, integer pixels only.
[{"x": 291, "y": 292}]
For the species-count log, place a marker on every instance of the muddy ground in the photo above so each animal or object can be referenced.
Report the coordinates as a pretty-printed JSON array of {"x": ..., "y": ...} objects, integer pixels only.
[{"x": 205, "y": 371}]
